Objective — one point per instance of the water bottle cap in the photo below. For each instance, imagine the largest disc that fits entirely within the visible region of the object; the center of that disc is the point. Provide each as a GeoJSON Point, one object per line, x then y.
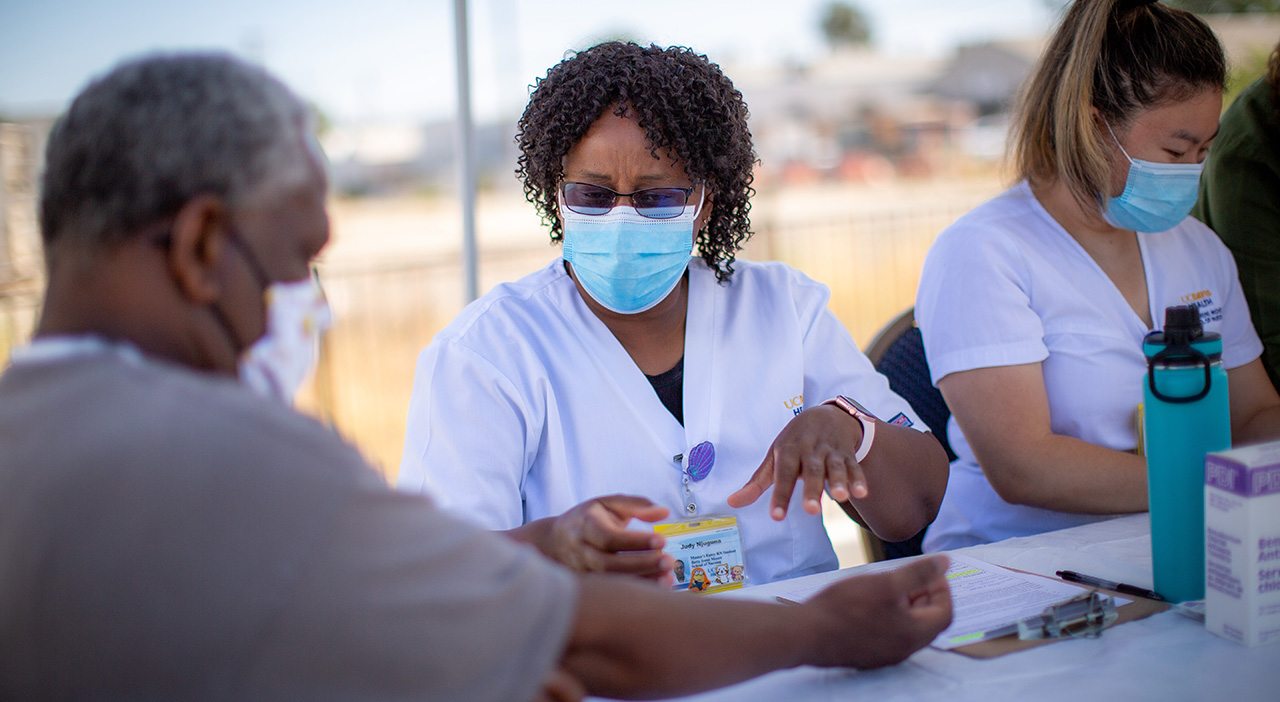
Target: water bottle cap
{"type": "Point", "coordinates": [1182, 332]}
{"type": "Point", "coordinates": [1182, 324]}
{"type": "Point", "coordinates": [1182, 345]}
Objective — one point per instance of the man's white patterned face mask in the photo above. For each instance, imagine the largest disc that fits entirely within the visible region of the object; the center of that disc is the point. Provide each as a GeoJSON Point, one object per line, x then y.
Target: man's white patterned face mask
{"type": "Point", "coordinates": [282, 358]}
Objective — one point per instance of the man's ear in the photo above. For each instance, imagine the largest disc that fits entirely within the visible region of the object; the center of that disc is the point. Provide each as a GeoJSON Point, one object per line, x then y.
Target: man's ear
{"type": "Point", "coordinates": [197, 247]}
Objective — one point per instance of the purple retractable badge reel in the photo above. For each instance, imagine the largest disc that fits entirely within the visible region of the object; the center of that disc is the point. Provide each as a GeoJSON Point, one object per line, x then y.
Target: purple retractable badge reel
{"type": "Point", "coordinates": [701, 459]}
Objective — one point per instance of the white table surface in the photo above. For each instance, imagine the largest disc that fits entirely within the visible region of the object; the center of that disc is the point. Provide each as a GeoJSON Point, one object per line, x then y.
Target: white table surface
{"type": "Point", "coordinates": [1164, 657]}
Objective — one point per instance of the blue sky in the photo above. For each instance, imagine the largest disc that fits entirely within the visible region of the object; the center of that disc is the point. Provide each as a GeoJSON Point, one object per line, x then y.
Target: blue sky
{"type": "Point", "coordinates": [394, 59]}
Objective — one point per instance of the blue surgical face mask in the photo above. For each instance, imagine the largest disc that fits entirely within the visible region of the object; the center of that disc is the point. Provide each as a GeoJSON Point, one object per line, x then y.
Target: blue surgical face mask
{"type": "Point", "coordinates": [1156, 195]}
{"type": "Point", "coordinates": [627, 262]}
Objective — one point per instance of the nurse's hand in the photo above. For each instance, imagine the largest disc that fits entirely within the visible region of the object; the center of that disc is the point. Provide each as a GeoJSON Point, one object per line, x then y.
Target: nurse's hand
{"type": "Point", "coordinates": [818, 446]}
{"type": "Point", "coordinates": [593, 537]}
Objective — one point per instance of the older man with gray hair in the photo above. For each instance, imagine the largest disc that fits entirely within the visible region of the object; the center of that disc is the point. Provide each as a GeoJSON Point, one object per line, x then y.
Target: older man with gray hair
{"type": "Point", "coordinates": [167, 532]}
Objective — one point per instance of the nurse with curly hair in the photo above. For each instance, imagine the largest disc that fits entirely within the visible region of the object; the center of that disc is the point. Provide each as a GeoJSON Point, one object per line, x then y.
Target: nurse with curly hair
{"type": "Point", "coordinates": [648, 361]}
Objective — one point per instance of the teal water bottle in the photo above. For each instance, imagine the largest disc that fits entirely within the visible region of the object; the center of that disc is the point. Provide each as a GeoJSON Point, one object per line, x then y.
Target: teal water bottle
{"type": "Point", "coordinates": [1186, 415]}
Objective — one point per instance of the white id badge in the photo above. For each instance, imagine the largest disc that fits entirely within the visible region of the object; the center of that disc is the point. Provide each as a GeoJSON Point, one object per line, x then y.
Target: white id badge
{"type": "Point", "coordinates": [708, 553]}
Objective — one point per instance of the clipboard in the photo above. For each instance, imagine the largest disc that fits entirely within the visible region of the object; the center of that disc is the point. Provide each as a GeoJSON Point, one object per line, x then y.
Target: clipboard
{"type": "Point", "coordinates": [1137, 608]}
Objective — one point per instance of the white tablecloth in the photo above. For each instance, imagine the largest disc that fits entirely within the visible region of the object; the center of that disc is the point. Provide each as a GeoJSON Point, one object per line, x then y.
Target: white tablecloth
{"type": "Point", "coordinates": [1164, 657]}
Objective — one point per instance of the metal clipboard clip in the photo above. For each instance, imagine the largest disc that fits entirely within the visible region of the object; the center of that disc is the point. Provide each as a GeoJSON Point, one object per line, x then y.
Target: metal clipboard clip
{"type": "Point", "coordinates": [1083, 616]}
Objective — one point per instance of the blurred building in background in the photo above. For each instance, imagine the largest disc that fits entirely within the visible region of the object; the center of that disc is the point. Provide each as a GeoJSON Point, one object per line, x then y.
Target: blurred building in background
{"type": "Point", "coordinates": [856, 115]}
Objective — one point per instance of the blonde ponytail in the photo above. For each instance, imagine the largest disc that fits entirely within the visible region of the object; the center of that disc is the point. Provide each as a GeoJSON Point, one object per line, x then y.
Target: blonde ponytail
{"type": "Point", "coordinates": [1106, 60]}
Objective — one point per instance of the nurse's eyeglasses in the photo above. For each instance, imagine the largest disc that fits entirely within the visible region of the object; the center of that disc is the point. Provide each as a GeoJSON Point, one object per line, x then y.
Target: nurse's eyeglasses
{"type": "Point", "coordinates": [654, 203]}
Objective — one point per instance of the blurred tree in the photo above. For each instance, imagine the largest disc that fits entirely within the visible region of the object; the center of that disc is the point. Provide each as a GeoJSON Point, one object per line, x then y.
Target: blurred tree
{"type": "Point", "coordinates": [845, 25]}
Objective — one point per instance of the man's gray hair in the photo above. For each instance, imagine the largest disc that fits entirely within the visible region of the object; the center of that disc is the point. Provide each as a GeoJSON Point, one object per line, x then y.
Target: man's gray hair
{"type": "Point", "coordinates": [141, 141]}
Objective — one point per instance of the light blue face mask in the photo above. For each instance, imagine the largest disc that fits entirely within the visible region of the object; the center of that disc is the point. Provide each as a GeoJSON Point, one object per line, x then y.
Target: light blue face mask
{"type": "Point", "coordinates": [1156, 195]}
{"type": "Point", "coordinates": [627, 262]}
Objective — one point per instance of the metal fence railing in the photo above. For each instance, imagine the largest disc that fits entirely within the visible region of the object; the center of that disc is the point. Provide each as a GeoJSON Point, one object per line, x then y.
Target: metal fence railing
{"type": "Point", "coordinates": [385, 314]}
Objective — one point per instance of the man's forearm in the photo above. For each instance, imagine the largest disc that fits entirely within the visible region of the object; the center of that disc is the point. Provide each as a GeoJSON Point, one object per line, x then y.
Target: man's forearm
{"type": "Point", "coordinates": [633, 639]}
{"type": "Point", "coordinates": [630, 639]}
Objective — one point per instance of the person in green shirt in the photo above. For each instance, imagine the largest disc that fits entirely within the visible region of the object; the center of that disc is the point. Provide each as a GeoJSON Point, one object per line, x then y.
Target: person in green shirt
{"type": "Point", "coordinates": [1240, 200]}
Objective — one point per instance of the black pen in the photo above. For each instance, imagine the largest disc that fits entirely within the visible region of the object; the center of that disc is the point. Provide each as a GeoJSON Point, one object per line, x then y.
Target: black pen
{"type": "Point", "coordinates": [1122, 588]}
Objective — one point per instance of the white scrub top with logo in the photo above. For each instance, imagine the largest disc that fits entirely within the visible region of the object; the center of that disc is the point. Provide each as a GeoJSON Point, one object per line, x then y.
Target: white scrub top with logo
{"type": "Point", "coordinates": [526, 405]}
{"type": "Point", "coordinates": [1007, 285]}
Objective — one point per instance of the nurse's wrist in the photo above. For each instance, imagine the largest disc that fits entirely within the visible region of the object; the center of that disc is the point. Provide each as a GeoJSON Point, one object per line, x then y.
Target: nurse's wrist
{"type": "Point", "coordinates": [866, 422]}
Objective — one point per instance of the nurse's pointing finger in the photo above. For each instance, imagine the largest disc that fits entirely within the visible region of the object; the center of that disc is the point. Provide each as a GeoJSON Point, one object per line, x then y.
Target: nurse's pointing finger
{"type": "Point", "coordinates": [857, 480]}
{"type": "Point", "coordinates": [785, 474]}
{"type": "Point", "coordinates": [814, 472]}
{"type": "Point", "coordinates": [837, 478]}
{"type": "Point", "coordinates": [760, 481]}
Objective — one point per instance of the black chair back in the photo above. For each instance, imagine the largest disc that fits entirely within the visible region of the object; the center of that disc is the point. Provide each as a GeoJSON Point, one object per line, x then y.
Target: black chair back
{"type": "Point", "coordinates": [897, 352]}
{"type": "Point", "coordinates": [904, 364]}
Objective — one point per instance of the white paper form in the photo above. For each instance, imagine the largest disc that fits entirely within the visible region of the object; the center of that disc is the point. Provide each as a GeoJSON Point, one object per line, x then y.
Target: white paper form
{"type": "Point", "coordinates": [985, 599]}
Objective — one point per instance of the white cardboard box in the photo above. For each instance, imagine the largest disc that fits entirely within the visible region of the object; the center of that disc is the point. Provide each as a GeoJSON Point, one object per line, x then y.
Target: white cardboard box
{"type": "Point", "coordinates": [1242, 543]}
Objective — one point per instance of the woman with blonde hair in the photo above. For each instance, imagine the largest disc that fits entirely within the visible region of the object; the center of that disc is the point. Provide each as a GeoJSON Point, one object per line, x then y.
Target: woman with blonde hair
{"type": "Point", "coordinates": [1033, 306]}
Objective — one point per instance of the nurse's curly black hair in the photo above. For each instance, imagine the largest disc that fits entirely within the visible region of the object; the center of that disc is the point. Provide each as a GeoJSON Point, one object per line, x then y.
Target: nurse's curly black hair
{"type": "Point", "coordinates": [682, 101]}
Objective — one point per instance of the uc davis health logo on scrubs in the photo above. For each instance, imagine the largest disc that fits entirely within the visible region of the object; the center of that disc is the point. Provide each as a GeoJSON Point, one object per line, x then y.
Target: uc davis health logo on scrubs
{"type": "Point", "coordinates": [795, 404]}
{"type": "Point", "coordinates": [1203, 301]}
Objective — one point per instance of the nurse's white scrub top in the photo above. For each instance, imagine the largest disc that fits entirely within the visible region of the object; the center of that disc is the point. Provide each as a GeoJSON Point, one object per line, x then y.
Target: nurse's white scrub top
{"type": "Point", "coordinates": [526, 405]}
{"type": "Point", "coordinates": [1007, 285]}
